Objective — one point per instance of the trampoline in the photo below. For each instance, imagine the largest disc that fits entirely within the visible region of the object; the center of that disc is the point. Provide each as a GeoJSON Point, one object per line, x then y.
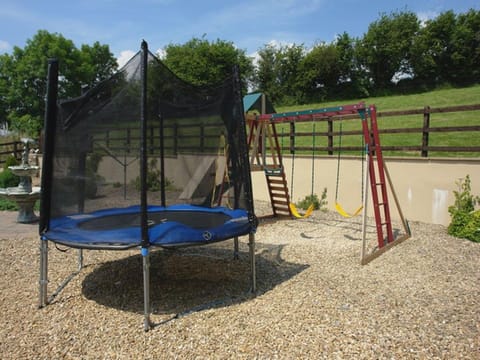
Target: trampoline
{"type": "Point", "coordinates": [172, 226]}
{"type": "Point", "coordinates": [177, 150]}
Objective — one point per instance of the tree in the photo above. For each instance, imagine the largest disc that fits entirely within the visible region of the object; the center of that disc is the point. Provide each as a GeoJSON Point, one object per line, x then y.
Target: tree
{"type": "Point", "coordinates": [321, 72]}
{"type": "Point", "coordinates": [466, 49]}
{"type": "Point", "coordinates": [6, 73]}
{"type": "Point", "coordinates": [26, 73]}
{"type": "Point", "coordinates": [201, 62]}
{"type": "Point", "coordinates": [353, 81]}
{"type": "Point", "coordinates": [432, 57]}
{"type": "Point", "coordinates": [279, 74]}
{"type": "Point", "coordinates": [266, 79]}
{"type": "Point", "coordinates": [96, 63]}
{"type": "Point", "coordinates": [289, 72]}
{"type": "Point", "coordinates": [385, 49]}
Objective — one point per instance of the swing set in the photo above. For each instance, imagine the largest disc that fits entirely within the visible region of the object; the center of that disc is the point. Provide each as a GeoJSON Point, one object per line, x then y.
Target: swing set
{"type": "Point", "coordinates": [374, 171]}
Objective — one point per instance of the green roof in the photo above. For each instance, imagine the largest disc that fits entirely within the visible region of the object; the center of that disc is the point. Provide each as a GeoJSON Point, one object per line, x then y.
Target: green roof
{"type": "Point", "coordinates": [254, 102]}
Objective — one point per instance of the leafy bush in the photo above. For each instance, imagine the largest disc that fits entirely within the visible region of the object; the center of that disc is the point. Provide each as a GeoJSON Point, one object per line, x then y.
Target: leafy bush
{"type": "Point", "coordinates": [153, 178]}
{"type": "Point", "coordinates": [10, 161]}
{"type": "Point", "coordinates": [313, 199]}
{"type": "Point", "coordinates": [8, 205]}
{"type": "Point", "coordinates": [7, 178]}
{"type": "Point", "coordinates": [465, 221]}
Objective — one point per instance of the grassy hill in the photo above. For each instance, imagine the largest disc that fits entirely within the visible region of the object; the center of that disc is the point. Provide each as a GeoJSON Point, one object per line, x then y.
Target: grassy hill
{"type": "Point", "coordinates": [434, 99]}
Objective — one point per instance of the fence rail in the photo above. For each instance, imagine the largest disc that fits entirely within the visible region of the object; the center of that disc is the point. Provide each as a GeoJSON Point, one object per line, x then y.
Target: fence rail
{"type": "Point", "coordinates": [293, 136]}
{"type": "Point", "coordinates": [14, 148]}
{"type": "Point", "coordinates": [424, 148]}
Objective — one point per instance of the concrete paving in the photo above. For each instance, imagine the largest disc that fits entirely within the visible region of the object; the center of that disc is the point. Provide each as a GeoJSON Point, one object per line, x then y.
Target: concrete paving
{"type": "Point", "coordinates": [10, 228]}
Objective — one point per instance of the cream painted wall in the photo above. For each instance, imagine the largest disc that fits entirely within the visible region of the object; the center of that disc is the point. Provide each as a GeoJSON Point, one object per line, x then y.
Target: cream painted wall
{"type": "Point", "coordinates": [424, 187]}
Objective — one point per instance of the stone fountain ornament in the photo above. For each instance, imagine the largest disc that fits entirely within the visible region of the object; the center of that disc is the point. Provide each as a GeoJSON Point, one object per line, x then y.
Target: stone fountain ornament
{"type": "Point", "coordinates": [24, 194]}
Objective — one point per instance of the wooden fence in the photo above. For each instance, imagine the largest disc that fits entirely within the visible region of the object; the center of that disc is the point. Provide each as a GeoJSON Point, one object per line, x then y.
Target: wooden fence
{"type": "Point", "coordinates": [422, 149]}
{"type": "Point", "coordinates": [293, 137]}
{"type": "Point", "coordinates": [14, 148]}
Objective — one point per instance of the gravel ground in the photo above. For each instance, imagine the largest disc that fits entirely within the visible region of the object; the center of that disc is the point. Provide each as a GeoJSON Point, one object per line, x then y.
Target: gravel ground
{"type": "Point", "coordinates": [419, 300]}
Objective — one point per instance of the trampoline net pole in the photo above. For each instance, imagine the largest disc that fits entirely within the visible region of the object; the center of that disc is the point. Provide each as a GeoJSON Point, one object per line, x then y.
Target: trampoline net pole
{"type": "Point", "coordinates": [251, 243]}
{"type": "Point", "coordinates": [43, 299]}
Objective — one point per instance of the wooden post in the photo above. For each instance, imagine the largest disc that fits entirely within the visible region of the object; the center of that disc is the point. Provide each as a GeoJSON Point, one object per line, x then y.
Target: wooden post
{"type": "Point", "coordinates": [175, 139]}
{"type": "Point", "coordinates": [425, 131]}
{"type": "Point", "coordinates": [128, 140]}
{"type": "Point", "coordinates": [292, 137]}
{"type": "Point", "coordinates": [152, 139]}
{"type": "Point", "coordinates": [107, 138]}
{"type": "Point", "coordinates": [330, 135]}
{"type": "Point", "coordinates": [16, 153]}
{"type": "Point", "coordinates": [202, 138]}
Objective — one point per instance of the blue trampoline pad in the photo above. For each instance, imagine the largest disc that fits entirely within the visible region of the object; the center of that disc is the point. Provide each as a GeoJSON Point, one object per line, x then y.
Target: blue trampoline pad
{"type": "Point", "coordinates": [172, 226]}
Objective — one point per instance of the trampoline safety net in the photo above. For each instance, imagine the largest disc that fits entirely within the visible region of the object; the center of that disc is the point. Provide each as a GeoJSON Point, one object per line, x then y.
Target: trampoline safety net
{"type": "Point", "coordinates": [193, 139]}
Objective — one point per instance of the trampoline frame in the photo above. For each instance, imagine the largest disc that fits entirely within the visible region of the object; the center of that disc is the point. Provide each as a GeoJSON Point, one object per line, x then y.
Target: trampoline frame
{"type": "Point", "coordinates": [144, 245]}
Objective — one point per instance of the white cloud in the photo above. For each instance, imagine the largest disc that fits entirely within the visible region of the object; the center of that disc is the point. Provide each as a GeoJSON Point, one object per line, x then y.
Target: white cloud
{"type": "Point", "coordinates": [276, 44]}
{"type": "Point", "coordinates": [4, 46]}
{"type": "Point", "coordinates": [161, 53]}
{"type": "Point", "coordinates": [124, 56]}
{"type": "Point", "coordinates": [424, 16]}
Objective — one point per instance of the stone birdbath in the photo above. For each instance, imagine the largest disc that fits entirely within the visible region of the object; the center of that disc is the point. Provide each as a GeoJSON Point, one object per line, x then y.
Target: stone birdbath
{"type": "Point", "coordinates": [24, 194]}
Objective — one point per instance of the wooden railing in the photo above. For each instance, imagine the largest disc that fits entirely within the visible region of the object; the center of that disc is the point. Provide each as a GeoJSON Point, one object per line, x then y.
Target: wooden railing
{"type": "Point", "coordinates": [424, 148]}
{"type": "Point", "coordinates": [202, 140]}
{"type": "Point", "coordinates": [14, 148]}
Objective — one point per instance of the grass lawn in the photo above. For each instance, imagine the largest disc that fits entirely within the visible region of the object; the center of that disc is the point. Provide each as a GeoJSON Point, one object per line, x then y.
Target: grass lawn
{"type": "Point", "coordinates": [434, 99]}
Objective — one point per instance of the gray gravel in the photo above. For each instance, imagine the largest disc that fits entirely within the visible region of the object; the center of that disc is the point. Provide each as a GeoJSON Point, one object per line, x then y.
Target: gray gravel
{"type": "Point", "coordinates": [419, 300]}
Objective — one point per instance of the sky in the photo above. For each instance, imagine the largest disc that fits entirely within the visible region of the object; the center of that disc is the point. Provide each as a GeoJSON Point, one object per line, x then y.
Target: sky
{"type": "Point", "coordinates": [248, 24]}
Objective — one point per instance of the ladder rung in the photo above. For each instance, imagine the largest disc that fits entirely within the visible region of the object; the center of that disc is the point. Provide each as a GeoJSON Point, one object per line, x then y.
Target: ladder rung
{"type": "Point", "coordinates": [278, 202]}
{"type": "Point", "coordinates": [275, 181]}
{"type": "Point", "coordinates": [279, 193]}
{"type": "Point", "coordinates": [281, 184]}
{"type": "Point", "coordinates": [279, 196]}
{"type": "Point", "coordinates": [278, 189]}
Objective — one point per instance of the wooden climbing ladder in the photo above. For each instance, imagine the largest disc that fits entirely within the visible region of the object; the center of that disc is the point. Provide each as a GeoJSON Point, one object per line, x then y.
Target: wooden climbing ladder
{"type": "Point", "coordinates": [265, 155]}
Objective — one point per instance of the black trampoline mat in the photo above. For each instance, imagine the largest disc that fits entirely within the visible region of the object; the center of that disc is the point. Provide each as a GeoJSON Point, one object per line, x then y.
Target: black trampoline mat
{"type": "Point", "coordinates": [194, 219]}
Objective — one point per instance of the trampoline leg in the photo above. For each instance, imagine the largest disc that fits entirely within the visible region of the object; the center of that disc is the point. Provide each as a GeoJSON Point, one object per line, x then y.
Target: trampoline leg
{"type": "Point", "coordinates": [43, 297]}
{"type": "Point", "coordinates": [235, 247]}
{"type": "Point", "coordinates": [146, 288]}
{"type": "Point", "coordinates": [80, 259]}
{"type": "Point", "coordinates": [251, 243]}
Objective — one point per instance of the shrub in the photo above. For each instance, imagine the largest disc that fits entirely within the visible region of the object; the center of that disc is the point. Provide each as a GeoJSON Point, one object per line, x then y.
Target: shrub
{"type": "Point", "coordinates": [465, 221]}
{"type": "Point", "coordinates": [10, 161]}
{"type": "Point", "coordinates": [153, 179]}
{"type": "Point", "coordinates": [7, 178]}
{"type": "Point", "coordinates": [318, 204]}
{"type": "Point", "coordinates": [8, 205]}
